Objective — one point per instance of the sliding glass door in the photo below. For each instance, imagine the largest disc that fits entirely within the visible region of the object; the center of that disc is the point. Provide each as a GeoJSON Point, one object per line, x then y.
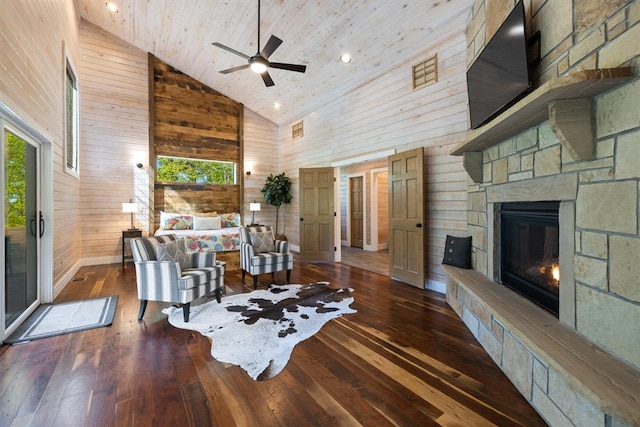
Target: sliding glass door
{"type": "Point", "coordinates": [23, 226]}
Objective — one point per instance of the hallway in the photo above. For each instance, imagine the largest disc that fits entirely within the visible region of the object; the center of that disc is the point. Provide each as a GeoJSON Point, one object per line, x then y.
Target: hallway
{"type": "Point", "coordinates": [377, 262]}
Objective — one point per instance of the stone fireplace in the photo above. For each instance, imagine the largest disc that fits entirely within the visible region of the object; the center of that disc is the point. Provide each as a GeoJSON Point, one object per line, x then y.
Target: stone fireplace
{"type": "Point", "coordinates": [580, 148]}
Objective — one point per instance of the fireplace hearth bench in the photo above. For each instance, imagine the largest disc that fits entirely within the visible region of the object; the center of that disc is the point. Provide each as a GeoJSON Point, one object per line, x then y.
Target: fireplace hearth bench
{"type": "Point", "coordinates": [561, 373]}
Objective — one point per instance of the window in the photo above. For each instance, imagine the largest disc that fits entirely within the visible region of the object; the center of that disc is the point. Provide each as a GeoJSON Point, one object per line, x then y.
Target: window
{"type": "Point", "coordinates": [194, 171]}
{"type": "Point", "coordinates": [72, 139]}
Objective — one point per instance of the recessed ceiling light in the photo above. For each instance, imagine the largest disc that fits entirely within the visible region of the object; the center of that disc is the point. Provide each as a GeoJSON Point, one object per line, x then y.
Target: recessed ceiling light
{"type": "Point", "coordinates": [276, 105]}
{"type": "Point", "coordinates": [112, 7]}
{"type": "Point", "coordinates": [345, 58]}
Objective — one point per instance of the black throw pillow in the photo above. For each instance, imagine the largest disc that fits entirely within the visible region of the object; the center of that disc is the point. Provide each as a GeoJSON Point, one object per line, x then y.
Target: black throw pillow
{"type": "Point", "coordinates": [457, 251]}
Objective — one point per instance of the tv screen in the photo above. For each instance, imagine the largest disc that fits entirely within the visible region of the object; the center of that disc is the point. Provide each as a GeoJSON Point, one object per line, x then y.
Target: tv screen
{"type": "Point", "coordinates": [500, 75]}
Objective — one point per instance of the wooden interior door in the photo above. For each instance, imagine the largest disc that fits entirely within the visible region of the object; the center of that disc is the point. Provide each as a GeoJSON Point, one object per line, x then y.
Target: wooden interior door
{"type": "Point", "coordinates": [356, 203]}
{"type": "Point", "coordinates": [406, 217]}
{"type": "Point", "coordinates": [317, 215]}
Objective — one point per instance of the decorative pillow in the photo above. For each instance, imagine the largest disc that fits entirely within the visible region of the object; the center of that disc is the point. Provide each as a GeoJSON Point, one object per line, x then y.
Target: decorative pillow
{"type": "Point", "coordinates": [206, 214]}
{"type": "Point", "coordinates": [263, 241]}
{"type": "Point", "coordinates": [207, 223]}
{"type": "Point", "coordinates": [173, 221]}
{"type": "Point", "coordinates": [173, 251]}
{"type": "Point", "coordinates": [230, 220]}
{"type": "Point", "coordinates": [457, 251]}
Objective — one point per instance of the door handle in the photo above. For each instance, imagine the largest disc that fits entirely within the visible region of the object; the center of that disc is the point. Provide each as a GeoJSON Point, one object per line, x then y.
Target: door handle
{"type": "Point", "coordinates": [41, 225]}
{"type": "Point", "coordinates": [32, 225]}
{"type": "Point", "coordinates": [419, 225]}
{"type": "Point", "coordinates": [301, 219]}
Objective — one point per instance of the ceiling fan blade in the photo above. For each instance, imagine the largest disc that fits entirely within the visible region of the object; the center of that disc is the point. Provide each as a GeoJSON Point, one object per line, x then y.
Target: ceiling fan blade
{"type": "Point", "coordinates": [238, 68]}
{"type": "Point", "coordinates": [267, 79]}
{"type": "Point", "coordinates": [271, 46]}
{"type": "Point", "coordinates": [288, 67]}
{"type": "Point", "coordinates": [228, 49]}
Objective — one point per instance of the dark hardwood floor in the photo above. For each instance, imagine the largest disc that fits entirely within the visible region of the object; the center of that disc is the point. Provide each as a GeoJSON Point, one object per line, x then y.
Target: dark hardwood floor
{"type": "Point", "coordinates": [404, 359]}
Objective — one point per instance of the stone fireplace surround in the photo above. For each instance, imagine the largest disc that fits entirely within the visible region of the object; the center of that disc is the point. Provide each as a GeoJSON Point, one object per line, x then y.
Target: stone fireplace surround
{"type": "Point", "coordinates": [568, 378]}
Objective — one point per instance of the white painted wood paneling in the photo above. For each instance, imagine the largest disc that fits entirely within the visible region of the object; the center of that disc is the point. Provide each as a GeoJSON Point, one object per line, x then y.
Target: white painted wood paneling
{"type": "Point", "coordinates": [114, 137]}
{"type": "Point", "coordinates": [386, 112]}
{"type": "Point", "coordinates": [33, 39]}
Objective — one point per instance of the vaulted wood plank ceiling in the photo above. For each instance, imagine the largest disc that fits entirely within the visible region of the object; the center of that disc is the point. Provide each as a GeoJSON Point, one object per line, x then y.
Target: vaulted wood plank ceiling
{"type": "Point", "coordinates": [377, 34]}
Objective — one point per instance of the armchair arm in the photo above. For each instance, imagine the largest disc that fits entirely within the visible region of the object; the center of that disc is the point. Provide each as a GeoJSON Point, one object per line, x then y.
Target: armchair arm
{"type": "Point", "coordinates": [282, 246]}
{"type": "Point", "coordinates": [158, 280]}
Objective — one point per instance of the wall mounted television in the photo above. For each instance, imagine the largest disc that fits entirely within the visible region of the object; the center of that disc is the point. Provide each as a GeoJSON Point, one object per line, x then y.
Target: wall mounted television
{"type": "Point", "coordinates": [500, 75]}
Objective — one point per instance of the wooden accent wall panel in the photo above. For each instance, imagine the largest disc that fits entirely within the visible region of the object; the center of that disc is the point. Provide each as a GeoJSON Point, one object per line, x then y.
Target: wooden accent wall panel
{"type": "Point", "coordinates": [189, 119]}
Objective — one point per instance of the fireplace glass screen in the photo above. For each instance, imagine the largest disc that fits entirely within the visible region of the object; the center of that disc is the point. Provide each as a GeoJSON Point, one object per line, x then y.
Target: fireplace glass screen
{"type": "Point", "coordinates": [529, 251]}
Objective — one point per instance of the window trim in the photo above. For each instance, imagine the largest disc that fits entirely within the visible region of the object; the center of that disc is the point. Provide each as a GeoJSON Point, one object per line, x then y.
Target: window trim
{"type": "Point", "coordinates": [74, 168]}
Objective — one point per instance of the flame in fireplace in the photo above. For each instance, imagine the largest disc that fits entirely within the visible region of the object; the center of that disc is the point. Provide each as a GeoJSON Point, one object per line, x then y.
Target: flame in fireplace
{"type": "Point", "coordinates": [555, 272]}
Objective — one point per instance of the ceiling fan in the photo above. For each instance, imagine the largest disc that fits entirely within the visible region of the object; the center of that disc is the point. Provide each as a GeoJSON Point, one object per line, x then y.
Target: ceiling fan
{"type": "Point", "coordinates": [260, 61]}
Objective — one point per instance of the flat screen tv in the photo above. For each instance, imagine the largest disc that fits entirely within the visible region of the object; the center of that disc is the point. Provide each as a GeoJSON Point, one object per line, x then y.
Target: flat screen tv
{"type": "Point", "coordinates": [500, 75]}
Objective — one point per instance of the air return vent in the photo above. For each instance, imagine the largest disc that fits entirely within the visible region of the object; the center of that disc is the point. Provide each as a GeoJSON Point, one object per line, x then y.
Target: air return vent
{"type": "Point", "coordinates": [297, 130]}
{"type": "Point", "coordinates": [425, 72]}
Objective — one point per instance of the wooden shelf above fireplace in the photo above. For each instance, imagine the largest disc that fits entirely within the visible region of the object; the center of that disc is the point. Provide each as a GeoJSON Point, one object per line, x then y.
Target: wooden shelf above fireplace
{"type": "Point", "coordinates": [565, 101]}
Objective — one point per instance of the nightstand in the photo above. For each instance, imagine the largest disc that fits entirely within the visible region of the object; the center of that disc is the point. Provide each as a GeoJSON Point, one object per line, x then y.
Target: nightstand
{"type": "Point", "coordinates": [127, 235]}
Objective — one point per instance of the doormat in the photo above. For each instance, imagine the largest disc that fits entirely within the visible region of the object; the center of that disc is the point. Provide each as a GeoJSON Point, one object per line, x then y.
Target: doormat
{"type": "Point", "coordinates": [258, 330]}
{"type": "Point", "coordinates": [50, 320]}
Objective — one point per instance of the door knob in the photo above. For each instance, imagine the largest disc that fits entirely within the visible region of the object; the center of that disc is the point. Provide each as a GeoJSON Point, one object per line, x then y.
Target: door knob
{"type": "Point", "coordinates": [419, 225]}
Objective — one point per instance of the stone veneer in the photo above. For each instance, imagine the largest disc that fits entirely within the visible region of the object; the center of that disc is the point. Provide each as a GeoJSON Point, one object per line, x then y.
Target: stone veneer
{"type": "Point", "coordinates": [602, 300]}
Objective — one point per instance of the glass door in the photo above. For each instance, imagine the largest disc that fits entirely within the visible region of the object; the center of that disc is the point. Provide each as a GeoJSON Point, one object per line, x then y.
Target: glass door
{"type": "Point", "coordinates": [23, 227]}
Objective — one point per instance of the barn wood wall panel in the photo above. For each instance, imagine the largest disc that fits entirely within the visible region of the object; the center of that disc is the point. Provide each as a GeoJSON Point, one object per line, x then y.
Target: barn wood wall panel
{"type": "Point", "coordinates": [114, 137]}
{"type": "Point", "coordinates": [189, 119]}
{"type": "Point", "coordinates": [31, 85]}
{"type": "Point", "coordinates": [386, 112]}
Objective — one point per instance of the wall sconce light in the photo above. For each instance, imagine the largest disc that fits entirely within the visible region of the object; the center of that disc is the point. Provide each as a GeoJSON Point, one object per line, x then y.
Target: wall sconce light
{"type": "Point", "coordinates": [130, 207]}
{"type": "Point", "coordinates": [253, 207]}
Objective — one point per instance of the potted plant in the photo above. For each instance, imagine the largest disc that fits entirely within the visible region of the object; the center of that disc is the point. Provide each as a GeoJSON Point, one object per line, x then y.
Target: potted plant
{"type": "Point", "coordinates": [276, 191]}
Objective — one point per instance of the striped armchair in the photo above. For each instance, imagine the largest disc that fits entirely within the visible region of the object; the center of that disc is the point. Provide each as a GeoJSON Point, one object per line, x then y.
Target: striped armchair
{"type": "Point", "coordinates": [178, 277]}
{"type": "Point", "coordinates": [261, 253]}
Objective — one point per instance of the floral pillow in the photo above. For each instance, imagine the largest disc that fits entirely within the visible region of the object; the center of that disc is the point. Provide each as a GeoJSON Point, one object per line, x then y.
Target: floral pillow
{"type": "Point", "coordinates": [175, 221]}
{"type": "Point", "coordinates": [230, 220]}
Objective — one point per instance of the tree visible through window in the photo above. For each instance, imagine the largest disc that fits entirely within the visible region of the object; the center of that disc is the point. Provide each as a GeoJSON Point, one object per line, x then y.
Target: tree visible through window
{"type": "Point", "coordinates": [184, 170]}
{"type": "Point", "coordinates": [71, 118]}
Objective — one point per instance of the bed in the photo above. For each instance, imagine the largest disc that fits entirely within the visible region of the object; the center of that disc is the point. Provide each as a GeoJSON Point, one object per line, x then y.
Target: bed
{"type": "Point", "coordinates": [205, 233]}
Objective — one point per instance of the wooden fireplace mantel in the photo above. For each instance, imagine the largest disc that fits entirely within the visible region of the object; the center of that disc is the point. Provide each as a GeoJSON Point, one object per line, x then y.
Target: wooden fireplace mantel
{"type": "Point", "coordinates": [565, 101]}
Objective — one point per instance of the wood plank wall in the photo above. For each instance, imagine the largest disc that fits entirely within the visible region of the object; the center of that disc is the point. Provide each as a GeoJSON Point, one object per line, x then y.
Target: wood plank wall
{"type": "Point", "coordinates": [114, 137]}
{"type": "Point", "coordinates": [386, 112]}
{"type": "Point", "coordinates": [189, 119]}
{"type": "Point", "coordinates": [33, 39]}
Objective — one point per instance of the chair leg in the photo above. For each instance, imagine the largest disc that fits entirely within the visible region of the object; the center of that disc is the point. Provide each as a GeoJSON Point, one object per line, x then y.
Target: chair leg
{"type": "Point", "coordinates": [143, 307]}
{"type": "Point", "coordinates": [243, 273]}
{"type": "Point", "coordinates": [218, 294]}
{"type": "Point", "coordinates": [288, 276]}
{"type": "Point", "coordinates": [273, 277]}
{"type": "Point", "coordinates": [255, 281]}
{"type": "Point", "coordinates": [185, 311]}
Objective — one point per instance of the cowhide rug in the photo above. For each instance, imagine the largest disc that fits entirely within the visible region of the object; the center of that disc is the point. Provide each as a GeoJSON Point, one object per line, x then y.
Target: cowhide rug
{"type": "Point", "coordinates": [258, 330]}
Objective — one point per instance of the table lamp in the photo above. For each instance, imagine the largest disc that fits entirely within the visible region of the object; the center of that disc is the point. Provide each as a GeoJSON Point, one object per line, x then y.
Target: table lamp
{"type": "Point", "coordinates": [130, 207]}
{"type": "Point", "coordinates": [253, 207]}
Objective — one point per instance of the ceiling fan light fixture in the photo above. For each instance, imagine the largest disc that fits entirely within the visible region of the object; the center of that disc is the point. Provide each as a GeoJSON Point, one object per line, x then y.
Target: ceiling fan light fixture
{"type": "Point", "coordinates": [258, 66]}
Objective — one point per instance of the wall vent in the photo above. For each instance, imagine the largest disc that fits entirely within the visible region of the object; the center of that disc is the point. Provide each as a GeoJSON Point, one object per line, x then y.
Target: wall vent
{"type": "Point", "coordinates": [425, 72]}
{"type": "Point", "coordinates": [297, 130]}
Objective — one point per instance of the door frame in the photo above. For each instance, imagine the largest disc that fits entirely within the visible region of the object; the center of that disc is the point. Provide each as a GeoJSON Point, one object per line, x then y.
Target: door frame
{"type": "Point", "coordinates": [14, 123]}
{"type": "Point", "coordinates": [375, 244]}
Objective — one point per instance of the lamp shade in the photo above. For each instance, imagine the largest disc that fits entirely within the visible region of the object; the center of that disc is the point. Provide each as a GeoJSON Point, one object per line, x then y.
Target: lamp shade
{"type": "Point", "coordinates": [254, 206]}
{"type": "Point", "coordinates": [130, 207]}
